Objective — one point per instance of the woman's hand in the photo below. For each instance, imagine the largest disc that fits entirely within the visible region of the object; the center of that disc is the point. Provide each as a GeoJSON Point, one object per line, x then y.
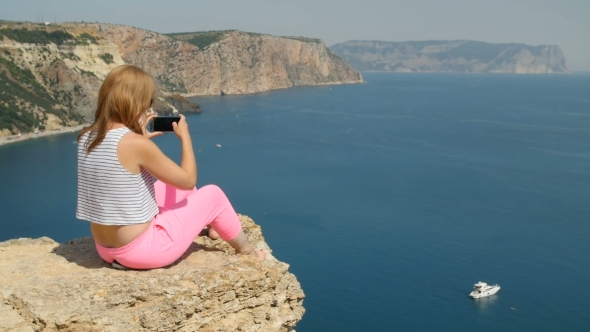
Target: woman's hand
{"type": "Point", "coordinates": [181, 128]}
{"type": "Point", "coordinates": [151, 158]}
{"type": "Point", "coordinates": [144, 122]}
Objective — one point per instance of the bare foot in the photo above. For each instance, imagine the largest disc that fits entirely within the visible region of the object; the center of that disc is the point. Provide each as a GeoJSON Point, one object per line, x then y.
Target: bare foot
{"type": "Point", "coordinates": [259, 254]}
{"type": "Point", "coordinates": [242, 246]}
{"type": "Point", "coordinates": [213, 235]}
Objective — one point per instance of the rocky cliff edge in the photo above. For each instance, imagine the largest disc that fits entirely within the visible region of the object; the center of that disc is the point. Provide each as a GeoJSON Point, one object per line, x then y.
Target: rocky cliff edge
{"type": "Point", "coordinates": [47, 286]}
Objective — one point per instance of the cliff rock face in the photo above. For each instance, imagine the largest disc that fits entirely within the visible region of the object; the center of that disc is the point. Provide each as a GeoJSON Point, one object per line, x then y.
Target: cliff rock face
{"type": "Point", "coordinates": [237, 63]}
{"type": "Point", "coordinates": [46, 286]}
{"type": "Point", "coordinates": [452, 56]}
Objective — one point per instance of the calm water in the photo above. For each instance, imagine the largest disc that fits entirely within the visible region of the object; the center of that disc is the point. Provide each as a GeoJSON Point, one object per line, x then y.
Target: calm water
{"type": "Point", "coordinates": [389, 199]}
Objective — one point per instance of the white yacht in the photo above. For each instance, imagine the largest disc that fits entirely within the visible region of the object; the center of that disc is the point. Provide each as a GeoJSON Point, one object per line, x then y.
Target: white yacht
{"type": "Point", "coordinates": [481, 289]}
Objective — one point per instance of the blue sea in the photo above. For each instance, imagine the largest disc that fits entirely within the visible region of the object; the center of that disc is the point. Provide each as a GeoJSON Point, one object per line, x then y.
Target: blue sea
{"type": "Point", "coordinates": [389, 199]}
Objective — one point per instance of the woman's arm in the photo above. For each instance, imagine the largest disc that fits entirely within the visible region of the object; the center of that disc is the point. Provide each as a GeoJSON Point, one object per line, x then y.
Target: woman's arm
{"type": "Point", "coordinates": [187, 160]}
{"type": "Point", "coordinates": [150, 157]}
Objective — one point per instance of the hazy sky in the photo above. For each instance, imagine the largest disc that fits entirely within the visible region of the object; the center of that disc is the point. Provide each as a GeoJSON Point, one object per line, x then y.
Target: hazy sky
{"type": "Point", "coordinates": [562, 22]}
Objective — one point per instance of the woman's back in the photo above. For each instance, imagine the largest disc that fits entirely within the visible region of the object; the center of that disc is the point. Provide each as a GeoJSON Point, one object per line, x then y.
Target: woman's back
{"type": "Point", "coordinates": [108, 194]}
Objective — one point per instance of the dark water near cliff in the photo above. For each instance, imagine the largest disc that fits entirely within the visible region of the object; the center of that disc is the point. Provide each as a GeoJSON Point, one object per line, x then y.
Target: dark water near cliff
{"type": "Point", "coordinates": [389, 199]}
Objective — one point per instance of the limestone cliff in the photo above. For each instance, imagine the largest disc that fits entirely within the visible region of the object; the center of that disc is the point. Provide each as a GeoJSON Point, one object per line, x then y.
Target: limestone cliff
{"type": "Point", "coordinates": [236, 63]}
{"type": "Point", "coordinates": [46, 286]}
{"type": "Point", "coordinates": [459, 56]}
{"type": "Point", "coordinates": [52, 73]}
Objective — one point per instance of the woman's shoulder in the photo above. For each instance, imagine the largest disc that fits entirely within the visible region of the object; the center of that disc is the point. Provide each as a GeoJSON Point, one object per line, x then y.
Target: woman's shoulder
{"type": "Point", "coordinates": [134, 141]}
{"type": "Point", "coordinates": [132, 136]}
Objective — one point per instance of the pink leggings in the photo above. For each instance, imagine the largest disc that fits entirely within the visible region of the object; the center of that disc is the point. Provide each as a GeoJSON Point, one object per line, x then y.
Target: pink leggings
{"type": "Point", "coordinates": [183, 214]}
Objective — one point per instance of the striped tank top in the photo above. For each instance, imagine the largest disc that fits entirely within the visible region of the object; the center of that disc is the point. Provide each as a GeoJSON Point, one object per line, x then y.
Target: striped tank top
{"type": "Point", "coordinates": [108, 194]}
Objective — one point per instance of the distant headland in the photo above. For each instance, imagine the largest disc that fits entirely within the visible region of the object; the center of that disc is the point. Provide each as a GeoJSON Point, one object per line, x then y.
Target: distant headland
{"type": "Point", "coordinates": [454, 56]}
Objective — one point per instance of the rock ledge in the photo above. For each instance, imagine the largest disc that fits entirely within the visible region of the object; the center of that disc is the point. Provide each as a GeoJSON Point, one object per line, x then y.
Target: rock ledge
{"type": "Point", "coordinates": [47, 286]}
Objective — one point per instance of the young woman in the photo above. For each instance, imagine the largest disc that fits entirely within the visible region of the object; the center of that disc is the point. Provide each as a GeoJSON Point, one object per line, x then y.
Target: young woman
{"type": "Point", "coordinates": [134, 221]}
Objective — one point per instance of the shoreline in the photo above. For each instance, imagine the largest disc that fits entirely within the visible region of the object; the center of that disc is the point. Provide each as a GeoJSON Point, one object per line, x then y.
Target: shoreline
{"type": "Point", "coordinates": [4, 140]}
{"type": "Point", "coordinates": [189, 95]}
{"type": "Point", "coordinates": [28, 136]}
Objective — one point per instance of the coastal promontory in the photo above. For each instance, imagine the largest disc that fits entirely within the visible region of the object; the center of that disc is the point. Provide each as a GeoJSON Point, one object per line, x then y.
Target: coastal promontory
{"type": "Point", "coordinates": [454, 56]}
{"type": "Point", "coordinates": [50, 74]}
{"type": "Point", "coordinates": [50, 286]}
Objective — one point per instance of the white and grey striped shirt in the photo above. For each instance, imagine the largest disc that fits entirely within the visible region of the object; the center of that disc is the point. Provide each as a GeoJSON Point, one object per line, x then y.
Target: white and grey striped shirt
{"type": "Point", "coordinates": [108, 194]}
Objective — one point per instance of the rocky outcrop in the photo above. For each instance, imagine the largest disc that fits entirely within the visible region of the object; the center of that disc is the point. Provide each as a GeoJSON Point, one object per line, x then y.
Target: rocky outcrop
{"type": "Point", "coordinates": [47, 286]}
{"type": "Point", "coordinates": [459, 56]}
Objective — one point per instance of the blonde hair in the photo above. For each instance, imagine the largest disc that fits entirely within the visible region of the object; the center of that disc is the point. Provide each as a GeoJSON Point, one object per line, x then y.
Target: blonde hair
{"type": "Point", "coordinates": [126, 94]}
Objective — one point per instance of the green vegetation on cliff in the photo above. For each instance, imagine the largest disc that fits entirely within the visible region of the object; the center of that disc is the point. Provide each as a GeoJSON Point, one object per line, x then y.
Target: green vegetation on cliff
{"type": "Point", "coordinates": [44, 37]}
{"type": "Point", "coordinates": [304, 39]}
{"type": "Point", "coordinates": [11, 115]}
{"type": "Point", "coordinates": [200, 39]}
{"type": "Point", "coordinates": [36, 36]}
{"type": "Point", "coordinates": [106, 57]}
{"type": "Point", "coordinates": [86, 39]}
{"type": "Point", "coordinates": [21, 94]}
{"type": "Point", "coordinates": [26, 79]}
{"type": "Point", "coordinates": [12, 104]}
